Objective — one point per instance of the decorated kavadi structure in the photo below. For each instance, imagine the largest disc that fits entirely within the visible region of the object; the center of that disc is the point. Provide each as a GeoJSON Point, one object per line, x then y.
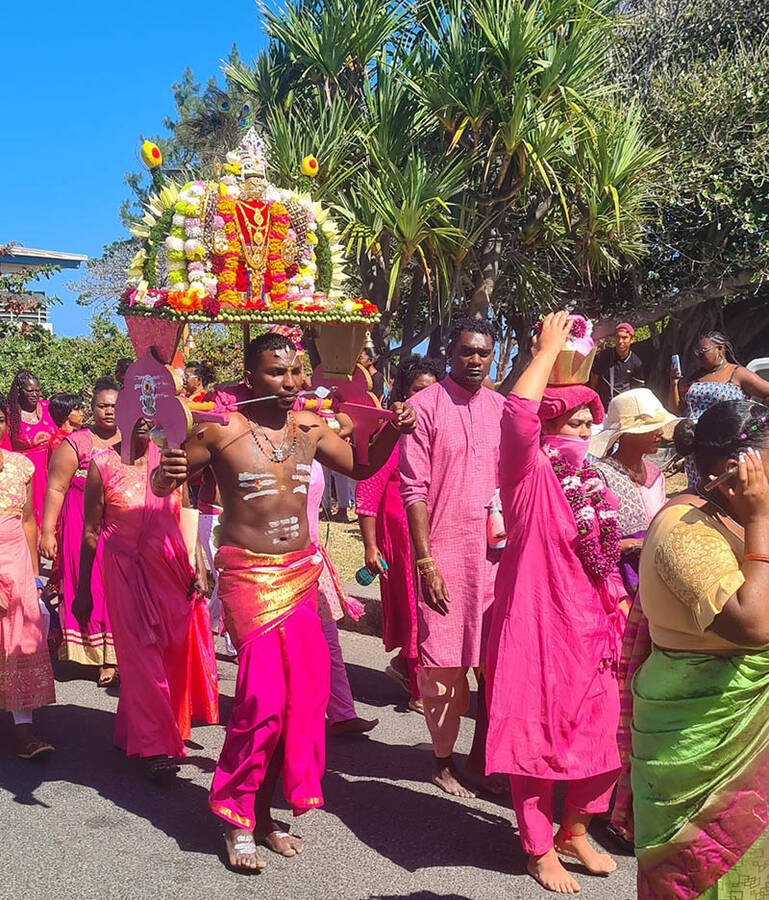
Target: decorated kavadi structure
{"type": "Point", "coordinates": [239, 249]}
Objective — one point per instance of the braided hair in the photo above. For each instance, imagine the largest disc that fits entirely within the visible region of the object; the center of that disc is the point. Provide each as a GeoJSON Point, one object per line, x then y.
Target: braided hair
{"type": "Point", "coordinates": [410, 368]}
{"type": "Point", "coordinates": [726, 428]}
{"type": "Point", "coordinates": [22, 377]}
{"type": "Point", "coordinates": [720, 340]}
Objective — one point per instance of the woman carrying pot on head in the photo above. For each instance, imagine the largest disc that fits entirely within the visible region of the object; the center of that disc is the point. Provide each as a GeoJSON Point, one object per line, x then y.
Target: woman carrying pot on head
{"type": "Point", "coordinates": [554, 643]}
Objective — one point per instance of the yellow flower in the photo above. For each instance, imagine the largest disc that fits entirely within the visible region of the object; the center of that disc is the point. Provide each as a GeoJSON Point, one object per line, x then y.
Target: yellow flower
{"type": "Point", "coordinates": [151, 155]}
{"type": "Point", "coordinates": [310, 166]}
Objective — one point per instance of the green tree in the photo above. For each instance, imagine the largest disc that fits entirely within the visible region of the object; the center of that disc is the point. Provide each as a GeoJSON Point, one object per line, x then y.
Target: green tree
{"type": "Point", "coordinates": [484, 159]}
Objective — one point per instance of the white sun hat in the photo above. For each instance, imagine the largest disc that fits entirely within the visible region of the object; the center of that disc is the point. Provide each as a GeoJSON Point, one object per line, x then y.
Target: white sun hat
{"type": "Point", "coordinates": [632, 412]}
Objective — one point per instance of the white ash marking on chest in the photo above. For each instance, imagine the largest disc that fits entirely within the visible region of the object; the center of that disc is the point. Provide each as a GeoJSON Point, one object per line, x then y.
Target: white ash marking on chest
{"type": "Point", "coordinates": [264, 484]}
{"type": "Point", "coordinates": [283, 529]}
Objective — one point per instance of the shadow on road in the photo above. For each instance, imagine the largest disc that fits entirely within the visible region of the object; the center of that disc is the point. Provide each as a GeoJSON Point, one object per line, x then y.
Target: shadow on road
{"type": "Point", "coordinates": [85, 756]}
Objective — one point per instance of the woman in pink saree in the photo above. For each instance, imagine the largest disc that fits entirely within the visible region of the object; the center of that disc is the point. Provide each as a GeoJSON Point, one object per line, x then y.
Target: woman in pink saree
{"type": "Point", "coordinates": [385, 532]}
{"type": "Point", "coordinates": [26, 679]}
{"type": "Point", "coordinates": [31, 427]}
{"type": "Point", "coordinates": [554, 641]}
{"type": "Point", "coordinates": [160, 620]}
{"type": "Point", "coordinates": [62, 532]}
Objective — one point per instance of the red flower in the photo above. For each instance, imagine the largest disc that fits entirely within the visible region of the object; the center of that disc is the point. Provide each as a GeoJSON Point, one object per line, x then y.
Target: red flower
{"type": "Point", "coordinates": [241, 279]}
{"type": "Point", "coordinates": [217, 264]}
{"type": "Point", "coordinates": [211, 306]}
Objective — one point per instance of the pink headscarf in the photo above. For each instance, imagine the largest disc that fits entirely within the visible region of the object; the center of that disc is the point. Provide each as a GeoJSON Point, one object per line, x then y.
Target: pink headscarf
{"type": "Point", "coordinates": [559, 399]}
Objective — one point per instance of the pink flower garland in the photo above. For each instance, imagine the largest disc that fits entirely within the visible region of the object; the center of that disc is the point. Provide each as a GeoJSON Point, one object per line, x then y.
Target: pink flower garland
{"type": "Point", "coordinates": [598, 548]}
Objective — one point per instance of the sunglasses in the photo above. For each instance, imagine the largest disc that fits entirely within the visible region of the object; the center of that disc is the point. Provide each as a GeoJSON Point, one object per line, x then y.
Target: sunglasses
{"type": "Point", "coordinates": [701, 351]}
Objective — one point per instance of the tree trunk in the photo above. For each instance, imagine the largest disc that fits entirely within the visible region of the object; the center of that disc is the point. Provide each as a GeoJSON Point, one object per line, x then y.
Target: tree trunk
{"type": "Point", "coordinates": [486, 277]}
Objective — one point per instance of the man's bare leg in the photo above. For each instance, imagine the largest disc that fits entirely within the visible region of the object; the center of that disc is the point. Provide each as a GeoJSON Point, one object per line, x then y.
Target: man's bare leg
{"type": "Point", "coordinates": [267, 830]}
{"type": "Point", "coordinates": [446, 776]}
{"type": "Point", "coordinates": [475, 763]}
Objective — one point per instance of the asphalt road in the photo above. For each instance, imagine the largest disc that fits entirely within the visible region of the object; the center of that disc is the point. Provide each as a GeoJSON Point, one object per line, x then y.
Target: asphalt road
{"type": "Point", "coordinates": [85, 824]}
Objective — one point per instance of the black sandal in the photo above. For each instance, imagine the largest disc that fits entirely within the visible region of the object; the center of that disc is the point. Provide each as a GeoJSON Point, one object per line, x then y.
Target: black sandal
{"type": "Point", "coordinates": [160, 767]}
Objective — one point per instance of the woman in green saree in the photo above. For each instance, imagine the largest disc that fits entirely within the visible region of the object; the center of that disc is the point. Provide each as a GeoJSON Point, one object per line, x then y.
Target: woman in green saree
{"type": "Point", "coordinates": [700, 726]}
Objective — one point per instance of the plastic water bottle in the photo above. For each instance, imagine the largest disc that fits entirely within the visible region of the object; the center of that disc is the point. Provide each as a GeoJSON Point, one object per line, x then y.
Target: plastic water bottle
{"type": "Point", "coordinates": [364, 577]}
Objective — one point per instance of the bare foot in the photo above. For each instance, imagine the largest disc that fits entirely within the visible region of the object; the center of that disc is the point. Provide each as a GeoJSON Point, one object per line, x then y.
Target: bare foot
{"type": "Point", "coordinates": [446, 777]}
{"type": "Point", "coordinates": [280, 842]}
{"type": "Point", "coordinates": [549, 872]}
{"type": "Point", "coordinates": [107, 676]}
{"type": "Point", "coordinates": [416, 704]}
{"type": "Point", "coordinates": [576, 846]}
{"type": "Point", "coordinates": [241, 850]}
{"type": "Point", "coordinates": [353, 726]}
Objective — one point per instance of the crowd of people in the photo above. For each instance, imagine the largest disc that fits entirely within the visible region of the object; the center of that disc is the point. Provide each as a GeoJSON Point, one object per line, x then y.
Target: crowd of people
{"type": "Point", "coordinates": [619, 638]}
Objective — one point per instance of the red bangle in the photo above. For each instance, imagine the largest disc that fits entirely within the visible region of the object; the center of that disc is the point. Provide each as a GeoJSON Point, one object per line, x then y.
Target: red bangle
{"type": "Point", "coordinates": [757, 557]}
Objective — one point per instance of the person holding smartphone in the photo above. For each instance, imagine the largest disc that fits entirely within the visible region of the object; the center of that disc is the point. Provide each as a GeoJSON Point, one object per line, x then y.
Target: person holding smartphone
{"type": "Point", "coordinates": [699, 670]}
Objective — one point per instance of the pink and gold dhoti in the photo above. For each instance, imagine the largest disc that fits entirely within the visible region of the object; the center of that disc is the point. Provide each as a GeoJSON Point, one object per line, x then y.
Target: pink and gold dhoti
{"type": "Point", "coordinates": [282, 689]}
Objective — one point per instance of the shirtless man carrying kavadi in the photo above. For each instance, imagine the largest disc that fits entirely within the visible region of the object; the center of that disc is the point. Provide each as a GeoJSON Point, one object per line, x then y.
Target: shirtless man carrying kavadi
{"type": "Point", "coordinates": [268, 578]}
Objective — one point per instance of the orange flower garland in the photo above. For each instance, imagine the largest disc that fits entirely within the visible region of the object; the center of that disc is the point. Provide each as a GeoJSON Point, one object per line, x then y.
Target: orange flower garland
{"type": "Point", "coordinates": [226, 279]}
{"type": "Point", "coordinates": [276, 267]}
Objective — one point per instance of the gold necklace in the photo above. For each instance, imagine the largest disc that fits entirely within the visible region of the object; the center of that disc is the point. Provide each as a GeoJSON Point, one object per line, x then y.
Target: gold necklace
{"type": "Point", "coordinates": [255, 236]}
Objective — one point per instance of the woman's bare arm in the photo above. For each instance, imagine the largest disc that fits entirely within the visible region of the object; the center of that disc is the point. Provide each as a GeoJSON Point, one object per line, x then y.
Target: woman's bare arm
{"type": "Point", "coordinates": [61, 470]}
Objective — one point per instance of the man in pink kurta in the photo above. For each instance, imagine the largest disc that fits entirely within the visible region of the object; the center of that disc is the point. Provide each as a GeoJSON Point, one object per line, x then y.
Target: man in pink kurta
{"type": "Point", "coordinates": [448, 470]}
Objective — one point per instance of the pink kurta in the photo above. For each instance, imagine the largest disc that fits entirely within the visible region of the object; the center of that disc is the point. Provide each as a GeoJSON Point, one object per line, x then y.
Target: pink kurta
{"type": "Point", "coordinates": [162, 637]}
{"type": "Point", "coordinates": [24, 442]}
{"type": "Point", "coordinates": [450, 463]}
{"type": "Point", "coordinates": [94, 645]}
{"type": "Point", "coordinates": [379, 498]}
{"type": "Point", "coordinates": [26, 678]}
{"type": "Point", "coordinates": [554, 642]}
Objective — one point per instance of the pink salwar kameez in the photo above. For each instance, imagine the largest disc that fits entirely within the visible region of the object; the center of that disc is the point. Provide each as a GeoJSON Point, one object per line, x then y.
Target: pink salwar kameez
{"type": "Point", "coordinates": [554, 645]}
{"type": "Point", "coordinates": [24, 442]}
{"type": "Point", "coordinates": [282, 688]}
{"type": "Point", "coordinates": [378, 497]}
{"type": "Point", "coordinates": [161, 627]}
{"type": "Point", "coordinates": [93, 645]}
{"type": "Point", "coordinates": [26, 677]}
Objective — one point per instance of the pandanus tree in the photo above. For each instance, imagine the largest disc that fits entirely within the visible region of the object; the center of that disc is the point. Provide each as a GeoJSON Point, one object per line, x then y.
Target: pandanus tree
{"type": "Point", "coordinates": [475, 152]}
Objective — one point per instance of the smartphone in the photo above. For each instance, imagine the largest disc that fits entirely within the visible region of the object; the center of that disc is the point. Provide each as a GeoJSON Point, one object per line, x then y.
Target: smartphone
{"type": "Point", "coordinates": [676, 361]}
{"type": "Point", "coordinates": [724, 476]}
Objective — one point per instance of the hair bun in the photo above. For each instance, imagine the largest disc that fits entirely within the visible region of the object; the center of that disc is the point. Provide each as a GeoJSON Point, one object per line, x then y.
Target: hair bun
{"type": "Point", "coordinates": [683, 437]}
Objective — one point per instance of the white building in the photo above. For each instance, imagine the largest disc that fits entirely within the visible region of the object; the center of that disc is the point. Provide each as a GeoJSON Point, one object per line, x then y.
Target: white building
{"type": "Point", "coordinates": [15, 259]}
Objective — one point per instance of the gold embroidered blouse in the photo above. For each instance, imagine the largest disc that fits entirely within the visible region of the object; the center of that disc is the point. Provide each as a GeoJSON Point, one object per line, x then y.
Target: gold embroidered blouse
{"type": "Point", "coordinates": [690, 567]}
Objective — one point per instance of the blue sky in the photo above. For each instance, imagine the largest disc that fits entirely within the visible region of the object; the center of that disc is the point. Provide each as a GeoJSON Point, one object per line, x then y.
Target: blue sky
{"type": "Point", "coordinates": [81, 81]}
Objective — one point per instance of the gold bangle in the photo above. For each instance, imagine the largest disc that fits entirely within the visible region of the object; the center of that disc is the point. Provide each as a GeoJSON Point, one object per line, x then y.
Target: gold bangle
{"type": "Point", "coordinates": [426, 559]}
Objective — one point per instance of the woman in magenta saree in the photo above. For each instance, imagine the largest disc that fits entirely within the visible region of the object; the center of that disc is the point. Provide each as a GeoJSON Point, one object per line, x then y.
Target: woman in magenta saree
{"type": "Point", "coordinates": [160, 622]}
{"type": "Point", "coordinates": [31, 427]}
{"type": "Point", "coordinates": [62, 532]}
{"type": "Point", "coordinates": [700, 727]}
